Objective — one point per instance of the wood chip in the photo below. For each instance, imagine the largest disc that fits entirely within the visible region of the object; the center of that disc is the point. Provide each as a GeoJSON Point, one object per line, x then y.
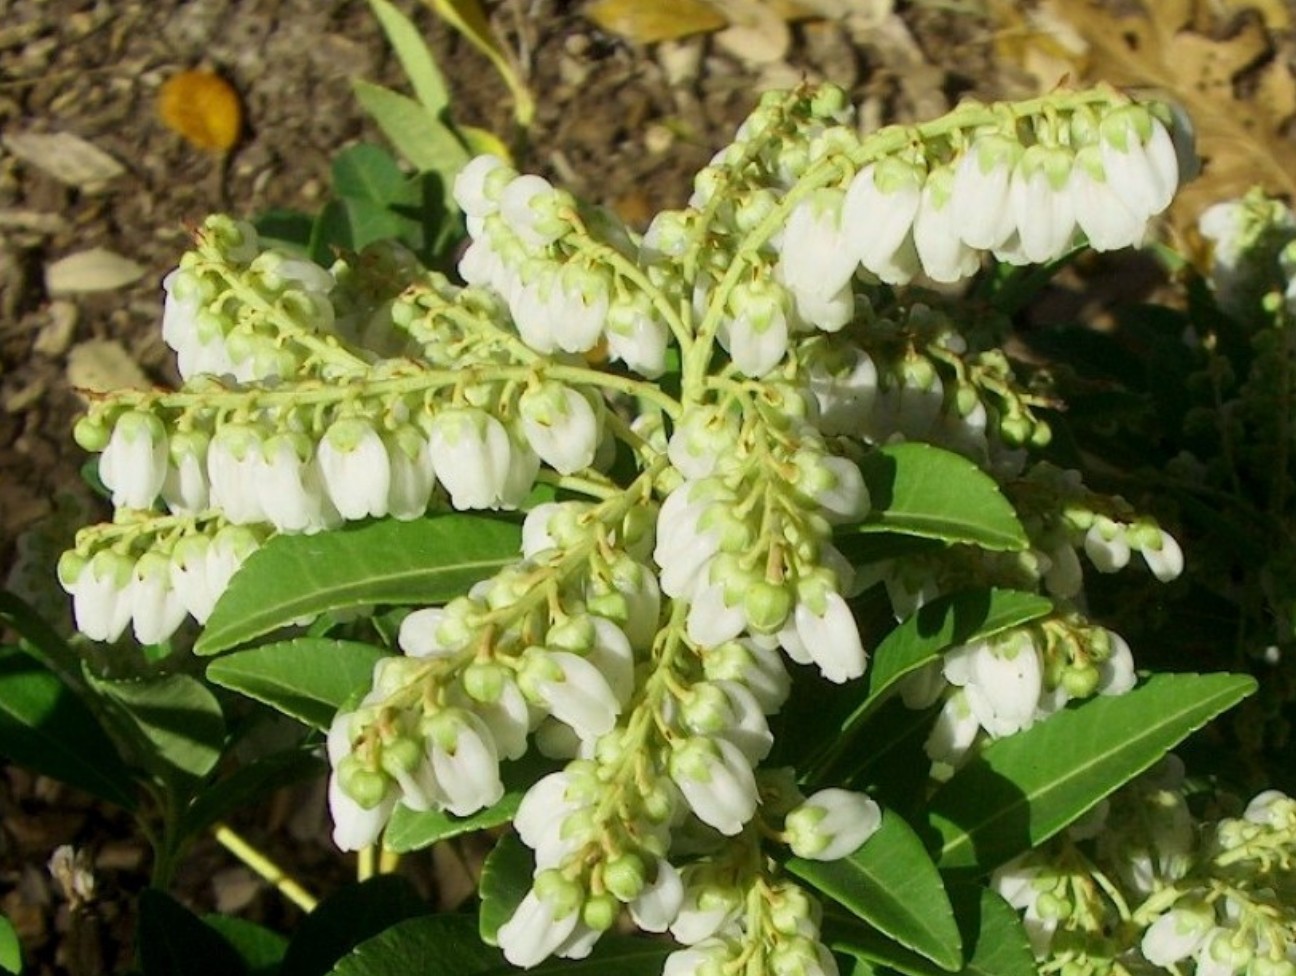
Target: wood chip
{"type": "Point", "coordinates": [66, 157]}
{"type": "Point", "coordinates": [97, 269]}
{"type": "Point", "coordinates": [102, 365]}
{"type": "Point", "coordinates": [56, 335]}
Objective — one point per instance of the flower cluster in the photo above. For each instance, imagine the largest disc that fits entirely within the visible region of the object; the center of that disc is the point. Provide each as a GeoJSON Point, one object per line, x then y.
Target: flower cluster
{"type": "Point", "coordinates": [1210, 898]}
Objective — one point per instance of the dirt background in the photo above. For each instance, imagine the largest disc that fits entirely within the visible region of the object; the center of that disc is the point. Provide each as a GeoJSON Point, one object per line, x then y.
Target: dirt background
{"type": "Point", "coordinates": [618, 123]}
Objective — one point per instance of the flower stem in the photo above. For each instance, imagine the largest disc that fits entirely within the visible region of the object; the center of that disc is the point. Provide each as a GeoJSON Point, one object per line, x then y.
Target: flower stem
{"type": "Point", "coordinates": [287, 886]}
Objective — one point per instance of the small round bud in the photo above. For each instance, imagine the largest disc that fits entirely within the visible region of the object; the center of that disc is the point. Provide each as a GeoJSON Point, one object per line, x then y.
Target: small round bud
{"type": "Point", "coordinates": [766, 606]}
{"type": "Point", "coordinates": [484, 681]}
{"type": "Point", "coordinates": [600, 912]}
{"type": "Point", "coordinates": [625, 876]}
{"type": "Point", "coordinates": [366, 786]}
{"type": "Point", "coordinates": [1080, 682]}
{"type": "Point", "coordinates": [91, 434]}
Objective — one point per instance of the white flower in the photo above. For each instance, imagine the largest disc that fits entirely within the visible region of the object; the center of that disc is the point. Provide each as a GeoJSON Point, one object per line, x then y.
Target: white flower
{"type": "Point", "coordinates": [1099, 211]}
{"type": "Point", "coordinates": [543, 814]}
{"type": "Point", "coordinates": [979, 210]}
{"type": "Point", "coordinates": [526, 204]}
{"type": "Point", "coordinates": [1139, 160]}
{"type": "Point", "coordinates": [814, 255]}
{"type": "Point", "coordinates": [290, 493]}
{"type": "Point", "coordinates": [954, 731]}
{"type": "Point", "coordinates": [757, 665]}
{"type": "Point", "coordinates": [185, 488]}
{"type": "Point", "coordinates": [355, 468]}
{"type": "Point", "coordinates": [703, 959]}
{"type": "Point", "coordinates": [711, 620]}
{"type": "Point", "coordinates": [1271, 807]}
{"type": "Point", "coordinates": [1042, 206]}
{"type": "Point", "coordinates": [827, 636]}
{"type": "Point", "coordinates": [189, 576]}
{"type": "Point", "coordinates": [756, 333]}
{"type": "Point", "coordinates": [1165, 560]}
{"type": "Point", "coordinates": [1176, 935]}
{"type": "Point", "coordinates": [943, 254]}
{"type": "Point", "coordinates": [229, 548]}
{"type": "Point", "coordinates": [573, 690]}
{"type": "Point", "coordinates": [707, 909]}
{"type": "Point", "coordinates": [1106, 545]}
{"type": "Point", "coordinates": [1064, 576]}
{"type": "Point", "coordinates": [478, 184]}
{"type": "Point", "coordinates": [703, 436]}
{"type": "Point", "coordinates": [155, 606]}
{"type": "Point", "coordinates": [831, 824]}
{"type": "Point", "coordinates": [658, 903]}
{"type": "Point", "coordinates": [134, 464]}
{"type": "Point", "coordinates": [878, 214]}
{"type": "Point", "coordinates": [560, 425]}
{"type": "Point", "coordinates": [1116, 674]}
{"type": "Point", "coordinates": [100, 602]}
{"type": "Point", "coordinates": [1003, 681]}
{"type": "Point", "coordinates": [472, 452]}
{"type": "Point", "coordinates": [637, 335]}
{"type": "Point", "coordinates": [464, 762]}
{"type": "Point", "coordinates": [717, 783]}
{"type": "Point", "coordinates": [235, 471]}
{"type": "Point", "coordinates": [845, 395]}
{"type": "Point", "coordinates": [412, 475]}
{"type": "Point", "coordinates": [355, 825]}
{"type": "Point", "coordinates": [582, 312]}
{"type": "Point", "coordinates": [540, 925]}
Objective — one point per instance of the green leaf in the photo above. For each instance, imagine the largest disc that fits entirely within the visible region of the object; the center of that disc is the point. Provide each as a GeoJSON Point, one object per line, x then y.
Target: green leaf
{"type": "Point", "coordinates": [422, 562]}
{"type": "Point", "coordinates": [1023, 789]}
{"type": "Point", "coordinates": [306, 679]}
{"type": "Point", "coordinates": [368, 172]}
{"type": "Point", "coordinates": [410, 830]}
{"type": "Point", "coordinates": [892, 884]}
{"type": "Point", "coordinates": [260, 948]}
{"type": "Point", "coordinates": [284, 229]}
{"type": "Point", "coordinates": [45, 727]}
{"type": "Point", "coordinates": [415, 57]}
{"type": "Point", "coordinates": [41, 641]}
{"type": "Point", "coordinates": [505, 880]}
{"type": "Point", "coordinates": [352, 915]}
{"type": "Point", "coordinates": [330, 233]}
{"type": "Point", "coordinates": [918, 489]}
{"type": "Point", "coordinates": [991, 931]}
{"type": "Point", "coordinates": [448, 945]}
{"type": "Point", "coordinates": [10, 948]}
{"type": "Point", "coordinates": [174, 942]}
{"type": "Point", "coordinates": [175, 724]}
{"type": "Point", "coordinates": [960, 618]}
{"type": "Point", "coordinates": [418, 135]}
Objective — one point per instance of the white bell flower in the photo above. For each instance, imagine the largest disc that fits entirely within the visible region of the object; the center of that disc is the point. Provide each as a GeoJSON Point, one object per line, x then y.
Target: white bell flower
{"type": "Point", "coordinates": [707, 910]}
{"type": "Point", "coordinates": [1003, 680]}
{"type": "Point", "coordinates": [831, 824]}
{"type": "Point", "coordinates": [526, 204]}
{"type": "Point", "coordinates": [717, 783]}
{"type": "Point", "coordinates": [756, 331]}
{"type": "Point", "coordinates": [477, 186]}
{"type": "Point", "coordinates": [878, 213]}
{"type": "Point", "coordinates": [827, 636]}
{"type": "Point", "coordinates": [412, 475]}
{"type": "Point", "coordinates": [584, 296]}
{"type": "Point", "coordinates": [545, 919]}
{"type": "Point", "coordinates": [845, 395]}
{"type": "Point", "coordinates": [1165, 560]}
{"type": "Point", "coordinates": [702, 959]}
{"type": "Point", "coordinates": [1042, 205]}
{"type": "Point", "coordinates": [711, 620]}
{"type": "Point", "coordinates": [573, 690]}
{"type": "Point", "coordinates": [189, 576]}
{"type": "Point", "coordinates": [815, 255]}
{"type": "Point", "coordinates": [100, 602]}
{"type": "Point", "coordinates": [355, 825]}
{"type": "Point", "coordinates": [758, 665]}
{"type": "Point", "coordinates": [560, 425]}
{"type": "Point", "coordinates": [659, 902]}
{"type": "Point", "coordinates": [156, 607]}
{"type": "Point", "coordinates": [936, 234]}
{"type": "Point", "coordinates": [954, 732]}
{"type": "Point", "coordinates": [356, 469]}
{"type": "Point", "coordinates": [979, 210]}
{"type": "Point", "coordinates": [185, 489]}
{"type": "Point", "coordinates": [1116, 674]}
{"type": "Point", "coordinates": [289, 505]}
{"type": "Point", "coordinates": [471, 452]}
{"type": "Point", "coordinates": [235, 470]}
{"type": "Point", "coordinates": [1177, 934]}
{"type": "Point", "coordinates": [1139, 160]}
{"type": "Point", "coordinates": [229, 549]}
{"type": "Point", "coordinates": [464, 761]}
{"type": "Point", "coordinates": [1102, 215]}
{"type": "Point", "coordinates": [637, 335]}
{"type": "Point", "coordinates": [134, 464]}
{"type": "Point", "coordinates": [1106, 545]}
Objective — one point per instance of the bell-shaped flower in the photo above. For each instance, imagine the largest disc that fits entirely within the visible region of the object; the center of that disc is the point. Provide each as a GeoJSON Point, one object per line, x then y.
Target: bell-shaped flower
{"type": "Point", "coordinates": [831, 824]}
{"type": "Point", "coordinates": [1101, 214]}
{"type": "Point", "coordinates": [1042, 205]}
{"type": "Point", "coordinates": [941, 251]}
{"type": "Point", "coordinates": [478, 185]}
{"type": "Point", "coordinates": [229, 549]}
{"type": "Point", "coordinates": [560, 425]}
{"type": "Point", "coordinates": [703, 436]}
{"type": "Point", "coordinates": [845, 393]}
{"type": "Point", "coordinates": [292, 500]}
{"type": "Point", "coordinates": [582, 314]}
{"type": "Point", "coordinates": [835, 483]}
{"type": "Point", "coordinates": [412, 478]}
{"type": "Point", "coordinates": [549, 817]}
{"type": "Point", "coordinates": [717, 782]}
{"type": "Point", "coordinates": [235, 470]}
{"type": "Point", "coordinates": [815, 253]}
{"type": "Point", "coordinates": [1116, 672]}
{"type": "Point", "coordinates": [637, 334]}
{"type": "Point", "coordinates": [360, 800]}
{"type": "Point", "coordinates": [355, 467]}
{"type": "Point", "coordinates": [134, 464]}
{"type": "Point", "coordinates": [572, 689]}
{"type": "Point", "coordinates": [1106, 545]}
{"type": "Point", "coordinates": [185, 489]}
{"type": "Point", "coordinates": [979, 209]}
{"type": "Point", "coordinates": [707, 909]}
{"type": "Point", "coordinates": [471, 451]}
{"type": "Point", "coordinates": [824, 631]}
{"type": "Point", "coordinates": [703, 959]}
{"type": "Point", "coordinates": [954, 731]}
{"type": "Point", "coordinates": [878, 214]}
{"type": "Point", "coordinates": [156, 608]}
{"type": "Point", "coordinates": [658, 903]}
{"type": "Point", "coordinates": [1139, 159]}
{"type": "Point", "coordinates": [1177, 934]}
{"type": "Point", "coordinates": [1163, 556]}
{"type": "Point", "coordinates": [1003, 680]}
{"type": "Point", "coordinates": [99, 587]}
{"type": "Point", "coordinates": [529, 205]}
{"type": "Point", "coordinates": [757, 665]}
{"type": "Point", "coordinates": [799, 955]}
{"type": "Point", "coordinates": [542, 922]}
{"type": "Point", "coordinates": [756, 330]}
{"type": "Point", "coordinates": [188, 573]}
{"type": "Point", "coordinates": [464, 761]}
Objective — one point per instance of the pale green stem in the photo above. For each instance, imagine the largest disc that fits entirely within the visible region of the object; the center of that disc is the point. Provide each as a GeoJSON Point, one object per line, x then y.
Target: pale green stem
{"type": "Point", "coordinates": [263, 866]}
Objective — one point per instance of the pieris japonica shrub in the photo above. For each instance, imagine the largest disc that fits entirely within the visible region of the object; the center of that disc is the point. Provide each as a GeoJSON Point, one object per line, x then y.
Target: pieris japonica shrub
{"type": "Point", "coordinates": [728, 562]}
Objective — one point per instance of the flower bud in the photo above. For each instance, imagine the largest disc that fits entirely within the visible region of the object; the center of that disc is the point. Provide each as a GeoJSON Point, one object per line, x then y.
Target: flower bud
{"type": "Point", "coordinates": [831, 824]}
{"type": "Point", "coordinates": [365, 786]}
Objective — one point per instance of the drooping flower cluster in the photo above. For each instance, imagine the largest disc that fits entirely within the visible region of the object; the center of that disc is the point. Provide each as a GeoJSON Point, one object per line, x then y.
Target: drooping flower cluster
{"type": "Point", "coordinates": [1210, 898]}
{"type": "Point", "coordinates": [684, 540]}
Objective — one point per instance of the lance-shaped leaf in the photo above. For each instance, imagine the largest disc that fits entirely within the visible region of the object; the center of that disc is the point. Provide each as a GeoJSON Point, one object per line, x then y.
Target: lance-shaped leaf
{"type": "Point", "coordinates": [46, 728]}
{"type": "Point", "coordinates": [505, 880]}
{"type": "Point", "coordinates": [423, 562]}
{"type": "Point", "coordinates": [415, 57]}
{"type": "Point", "coordinates": [892, 884]}
{"type": "Point", "coordinates": [1023, 789]}
{"type": "Point", "coordinates": [917, 489]}
{"type": "Point", "coordinates": [307, 679]}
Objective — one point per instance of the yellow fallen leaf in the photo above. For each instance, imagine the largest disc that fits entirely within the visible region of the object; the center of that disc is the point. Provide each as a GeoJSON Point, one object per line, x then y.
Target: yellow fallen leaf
{"type": "Point", "coordinates": [661, 20]}
{"type": "Point", "coordinates": [203, 108]}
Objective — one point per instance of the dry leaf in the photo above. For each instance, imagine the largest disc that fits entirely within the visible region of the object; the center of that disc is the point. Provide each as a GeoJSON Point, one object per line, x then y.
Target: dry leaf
{"type": "Point", "coordinates": [756, 33]}
{"type": "Point", "coordinates": [97, 269]}
{"type": "Point", "coordinates": [203, 107]}
{"type": "Point", "coordinates": [1178, 47]}
{"type": "Point", "coordinates": [103, 365]}
{"type": "Point", "coordinates": [663, 20]}
{"type": "Point", "coordinates": [65, 157]}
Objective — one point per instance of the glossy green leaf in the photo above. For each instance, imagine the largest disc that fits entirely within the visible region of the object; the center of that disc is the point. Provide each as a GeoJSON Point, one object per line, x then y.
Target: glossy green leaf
{"type": "Point", "coordinates": [174, 942]}
{"type": "Point", "coordinates": [260, 948]}
{"type": "Point", "coordinates": [306, 679]}
{"type": "Point", "coordinates": [414, 55]}
{"type": "Point", "coordinates": [10, 949]}
{"type": "Point", "coordinates": [995, 941]}
{"type": "Point", "coordinates": [46, 728]}
{"type": "Point", "coordinates": [174, 723]}
{"type": "Point", "coordinates": [42, 641]}
{"type": "Point", "coordinates": [448, 945]}
{"type": "Point", "coordinates": [1023, 789]}
{"type": "Point", "coordinates": [505, 880]}
{"type": "Point", "coordinates": [346, 919]}
{"type": "Point", "coordinates": [892, 884]}
{"type": "Point", "coordinates": [428, 143]}
{"type": "Point", "coordinates": [247, 785]}
{"type": "Point", "coordinates": [423, 562]}
{"type": "Point", "coordinates": [284, 229]}
{"type": "Point", "coordinates": [917, 489]}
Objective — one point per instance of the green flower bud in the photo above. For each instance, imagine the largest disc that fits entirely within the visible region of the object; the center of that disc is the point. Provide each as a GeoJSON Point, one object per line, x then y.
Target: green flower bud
{"type": "Point", "coordinates": [484, 681]}
{"type": "Point", "coordinates": [1080, 682]}
{"type": "Point", "coordinates": [401, 755]}
{"type": "Point", "coordinates": [575, 634]}
{"type": "Point", "coordinates": [766, 606]}
{"type": "Point", "coordinates": [366, 786]}
{"type": "Point", "coordinates": [70, 566]}
{"type": "Point", "coordinates": [625, 877]}
{"type": "Point", "coordinates": [562, 895]}
{"type": "Point", "coordinates": [600, 912]}
{"type": "Point", "coordinates": [91, 433]}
